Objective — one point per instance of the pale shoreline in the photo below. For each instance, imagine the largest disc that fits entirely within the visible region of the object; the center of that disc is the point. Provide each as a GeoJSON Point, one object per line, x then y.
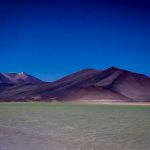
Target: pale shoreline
{"type": "Point", "coordinates": [121, 103]}
{"type": "Point", "coordinates": [96, 102]}
{"type": "Point", "coordinates": [89, 102]}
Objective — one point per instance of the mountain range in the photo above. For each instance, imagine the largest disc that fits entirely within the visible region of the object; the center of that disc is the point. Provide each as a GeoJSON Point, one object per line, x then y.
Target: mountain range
{"type": "Point", "coordinates": [112, 84]}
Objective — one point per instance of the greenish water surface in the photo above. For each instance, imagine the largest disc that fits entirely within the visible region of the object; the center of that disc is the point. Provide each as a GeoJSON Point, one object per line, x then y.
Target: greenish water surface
{"type": "Point", "coordinates": [50, 126]}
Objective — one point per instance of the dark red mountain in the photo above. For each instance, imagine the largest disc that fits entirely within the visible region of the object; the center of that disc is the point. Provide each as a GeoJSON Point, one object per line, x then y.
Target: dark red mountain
{"type": "Point", "coordinates": [17, 78]}
{"type": "Point", "coordinates": [112, 84]}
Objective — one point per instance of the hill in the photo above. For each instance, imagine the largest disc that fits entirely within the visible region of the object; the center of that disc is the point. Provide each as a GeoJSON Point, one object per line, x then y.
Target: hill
{"type": "Point", "coordinates": [112, 84]}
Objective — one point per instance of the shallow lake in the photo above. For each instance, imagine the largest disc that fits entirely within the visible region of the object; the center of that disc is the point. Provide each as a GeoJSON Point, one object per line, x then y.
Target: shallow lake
{"type": "Point", "coordinates": [46, 126]}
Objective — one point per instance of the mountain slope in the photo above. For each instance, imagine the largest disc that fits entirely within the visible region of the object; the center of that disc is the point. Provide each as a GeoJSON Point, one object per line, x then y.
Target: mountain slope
{"type": "Point", "coordinates": [133, 85]}
{"type": "Point", "coordinates": [112, 83]}
{"type": "Point", "coordinates": [14, 78]}
{"type": "Point", "coordinates": [89, 84]}
{"type": "Point", "coordinates": [12, 83]}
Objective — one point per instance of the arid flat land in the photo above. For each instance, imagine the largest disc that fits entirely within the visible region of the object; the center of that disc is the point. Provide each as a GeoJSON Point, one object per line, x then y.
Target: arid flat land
{"type": "Point", "coordinates": [70, 126]}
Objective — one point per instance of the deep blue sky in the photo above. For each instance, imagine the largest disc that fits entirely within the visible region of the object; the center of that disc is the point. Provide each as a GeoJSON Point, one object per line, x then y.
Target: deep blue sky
{"type": "Point", "coordinates": [51, 39]}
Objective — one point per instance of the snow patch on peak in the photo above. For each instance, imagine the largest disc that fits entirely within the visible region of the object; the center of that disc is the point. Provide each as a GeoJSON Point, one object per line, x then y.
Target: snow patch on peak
{"type": "Point", "coordinates": [22, 73]}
